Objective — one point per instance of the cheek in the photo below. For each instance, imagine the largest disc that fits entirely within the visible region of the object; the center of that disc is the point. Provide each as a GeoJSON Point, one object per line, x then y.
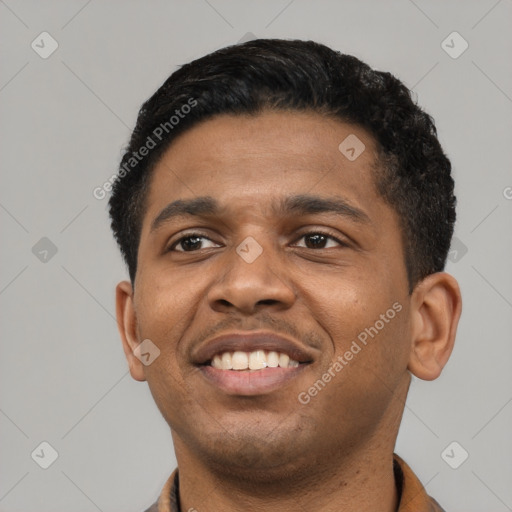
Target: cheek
{"type": "Point", "coordinates": [164, 304]}
{"type": "Point", "coordinates": [163, 317]}
{"type": "Point", "coordinates": [378, 368]}
{"type": "Point", "coordinates": [368, 374]}
{"type": "Point", "coordinates": [367, 324]}
{"type": "Point", "coordinates": [347, 303]}
{"type": "Point", "coordinates": [164, 313]}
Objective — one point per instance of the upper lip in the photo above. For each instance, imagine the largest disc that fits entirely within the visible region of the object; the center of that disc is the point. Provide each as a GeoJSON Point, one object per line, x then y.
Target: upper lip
{"type": "Point", "coordinates": [249, 342]}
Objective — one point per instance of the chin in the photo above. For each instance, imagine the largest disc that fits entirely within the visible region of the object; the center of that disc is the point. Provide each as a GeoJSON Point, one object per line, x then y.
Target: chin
{"type": "Point", "coordinates": [253, 456]}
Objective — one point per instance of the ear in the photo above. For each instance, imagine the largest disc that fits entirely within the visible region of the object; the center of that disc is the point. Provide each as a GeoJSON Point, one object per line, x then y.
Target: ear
{"type": "Point", "coordinates": [436, 307]}
{"type": "Point", "coordinates": [127, 324]}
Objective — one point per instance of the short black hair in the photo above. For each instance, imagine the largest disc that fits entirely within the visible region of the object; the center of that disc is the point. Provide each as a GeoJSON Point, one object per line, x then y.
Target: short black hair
{"type": "Point", "coordinates": [413, 175]}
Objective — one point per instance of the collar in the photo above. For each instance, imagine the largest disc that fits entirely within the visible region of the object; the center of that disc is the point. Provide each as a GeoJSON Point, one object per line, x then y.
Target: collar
{"type": "Point", "coordinates": [413, 497]}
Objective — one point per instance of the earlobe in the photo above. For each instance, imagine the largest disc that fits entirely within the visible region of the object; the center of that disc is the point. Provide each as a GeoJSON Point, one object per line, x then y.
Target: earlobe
{"type": "Point", "coordinates": [127, 325]}
{"type": "Point", "coordinates": [436, 309]}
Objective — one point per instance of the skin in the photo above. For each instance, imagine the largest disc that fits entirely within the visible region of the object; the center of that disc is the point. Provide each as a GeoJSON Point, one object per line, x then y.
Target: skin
{"type": "Point", "coordinates": [271, 452]}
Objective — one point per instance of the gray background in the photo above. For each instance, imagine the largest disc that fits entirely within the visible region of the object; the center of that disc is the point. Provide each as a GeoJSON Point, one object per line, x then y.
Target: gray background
{"type": "Point", "coordinates": [64, 121]}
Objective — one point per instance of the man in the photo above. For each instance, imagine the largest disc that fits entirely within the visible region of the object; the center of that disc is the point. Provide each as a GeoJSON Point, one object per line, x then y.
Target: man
{"type": "Point", "coordinates": [285, 213]}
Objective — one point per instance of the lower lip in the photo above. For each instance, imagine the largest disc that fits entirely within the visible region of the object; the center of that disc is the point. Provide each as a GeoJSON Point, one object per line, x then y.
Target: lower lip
{"type": "Point", "coordinates": [250, 382]}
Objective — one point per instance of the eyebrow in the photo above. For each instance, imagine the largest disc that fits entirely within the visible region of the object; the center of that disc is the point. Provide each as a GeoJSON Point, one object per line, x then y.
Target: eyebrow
{"type": "Point", "coordinates": [303, 204]}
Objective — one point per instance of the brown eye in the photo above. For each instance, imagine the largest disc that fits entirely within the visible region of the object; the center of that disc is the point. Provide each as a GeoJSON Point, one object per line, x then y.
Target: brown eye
{"type": "Point", "coordinates": [190, 243]}
{"type": "Point", "coordinates": [319, 240]}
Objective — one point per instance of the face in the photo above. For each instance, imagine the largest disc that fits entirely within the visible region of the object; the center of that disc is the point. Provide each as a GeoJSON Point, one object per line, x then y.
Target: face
{"type": "Point", "coordinates": [289, 251]}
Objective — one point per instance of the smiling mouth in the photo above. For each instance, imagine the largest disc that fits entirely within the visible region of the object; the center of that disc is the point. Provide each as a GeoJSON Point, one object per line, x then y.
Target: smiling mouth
{"type": "Point", "coordinates": [254, 360]}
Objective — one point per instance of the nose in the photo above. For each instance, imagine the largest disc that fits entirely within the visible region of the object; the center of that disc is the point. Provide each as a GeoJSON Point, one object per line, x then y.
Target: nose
{"type": "Point", "coordinates": [252, 277]}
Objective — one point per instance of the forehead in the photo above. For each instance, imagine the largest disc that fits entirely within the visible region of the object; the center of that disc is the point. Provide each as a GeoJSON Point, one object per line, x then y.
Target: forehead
{"type": "Point", "coordinates": [256, 158]}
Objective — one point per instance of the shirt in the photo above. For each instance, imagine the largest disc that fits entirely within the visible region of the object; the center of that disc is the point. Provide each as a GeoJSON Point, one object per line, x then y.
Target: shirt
{"type": "Point", "coordinates": [412, 495]}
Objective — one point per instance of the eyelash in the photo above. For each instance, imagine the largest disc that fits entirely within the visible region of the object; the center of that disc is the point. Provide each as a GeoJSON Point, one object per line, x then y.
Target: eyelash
{"type": "Point", "coordinates": [201, 235]}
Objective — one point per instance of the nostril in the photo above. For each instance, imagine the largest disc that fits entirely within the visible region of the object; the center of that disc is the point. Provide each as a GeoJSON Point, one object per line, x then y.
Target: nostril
{"type": "Point", "coordinates": [267, 302]}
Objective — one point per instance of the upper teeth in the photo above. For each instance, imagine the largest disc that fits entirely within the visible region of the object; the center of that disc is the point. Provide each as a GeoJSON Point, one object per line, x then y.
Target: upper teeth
{"type": "Point", "coordinates": [255, 360]}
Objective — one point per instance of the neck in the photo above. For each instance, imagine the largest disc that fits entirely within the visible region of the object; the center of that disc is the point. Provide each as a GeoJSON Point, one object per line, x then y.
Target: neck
{"type": "Point", "coordinates": [361, 481]}
{"type": "Point", "coordinates": [352, 477]}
